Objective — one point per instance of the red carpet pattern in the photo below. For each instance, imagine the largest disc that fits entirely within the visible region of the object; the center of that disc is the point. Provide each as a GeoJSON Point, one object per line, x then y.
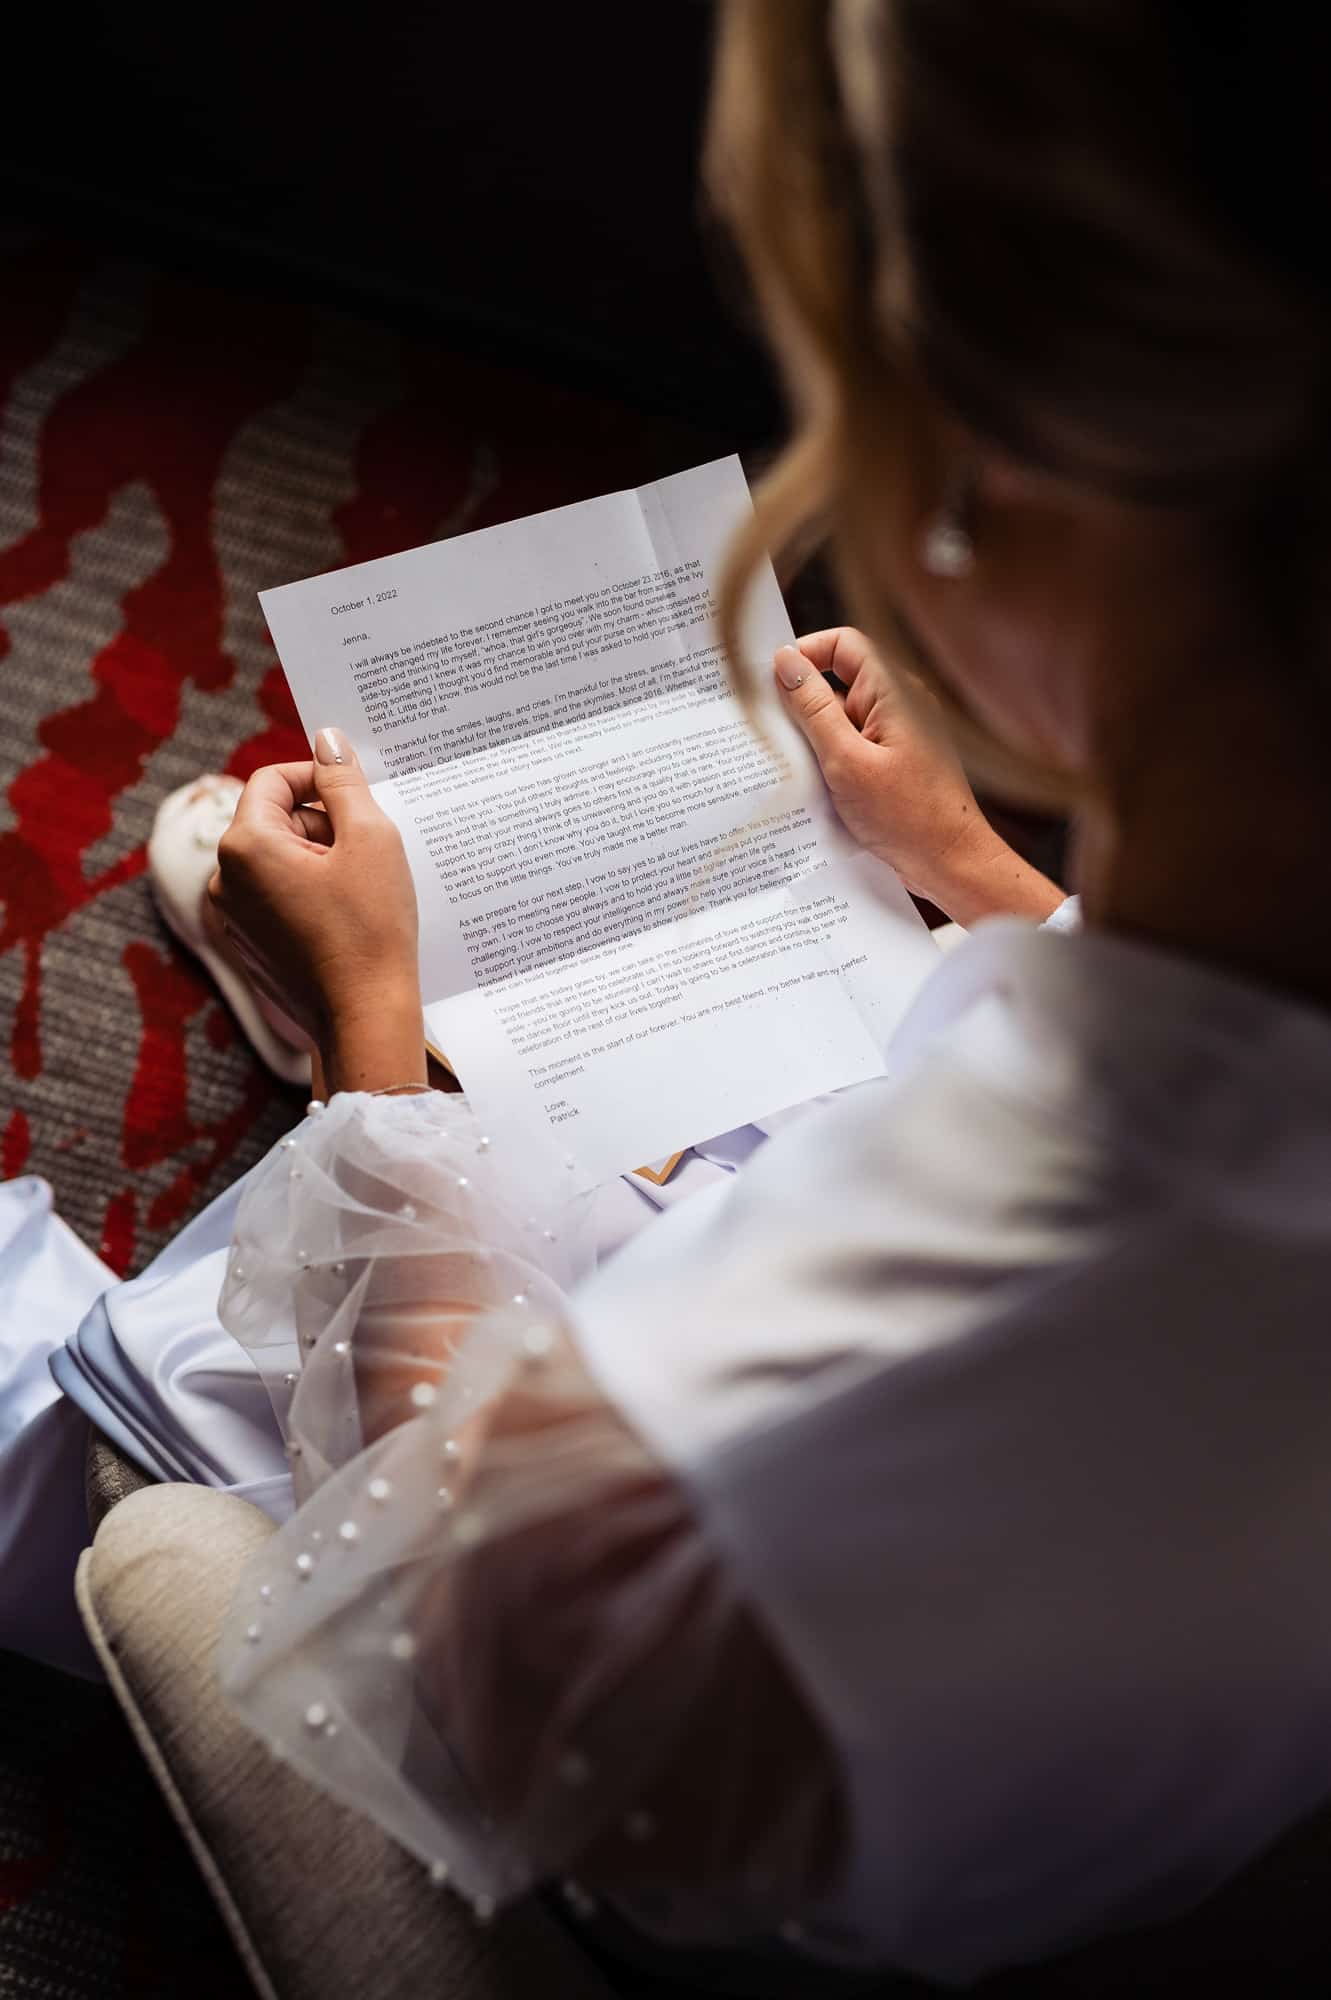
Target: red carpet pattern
{"type": "Point", "coordinates": [167, 449]}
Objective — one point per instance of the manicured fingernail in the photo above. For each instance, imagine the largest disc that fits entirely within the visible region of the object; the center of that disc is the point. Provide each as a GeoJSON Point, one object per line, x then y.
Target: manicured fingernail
{"type": "Point", "coordinates": [331, 747]}
{"type": "Point", "coordinates": [792, 669]}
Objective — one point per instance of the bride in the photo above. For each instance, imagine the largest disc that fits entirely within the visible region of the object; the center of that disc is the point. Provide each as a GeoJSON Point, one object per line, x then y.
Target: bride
{"type": "Point", "coordinates": [909, 1549]}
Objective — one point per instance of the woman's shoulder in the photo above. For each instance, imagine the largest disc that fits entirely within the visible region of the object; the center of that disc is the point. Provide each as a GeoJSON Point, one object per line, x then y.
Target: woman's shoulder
{"type": "Point", "coordinates": [1135, 1071]}
{"type": "Point", "coordinates": [1138, 1014]}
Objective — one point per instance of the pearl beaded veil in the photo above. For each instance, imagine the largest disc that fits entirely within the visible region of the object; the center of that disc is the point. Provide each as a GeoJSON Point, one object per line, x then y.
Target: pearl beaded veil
{"type": "Point", "coordinates": [493, 1623]}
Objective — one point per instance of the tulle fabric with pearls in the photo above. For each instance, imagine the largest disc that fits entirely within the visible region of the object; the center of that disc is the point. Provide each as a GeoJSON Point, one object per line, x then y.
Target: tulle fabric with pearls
{"type": "Point", "coordinates": [494, 1623]}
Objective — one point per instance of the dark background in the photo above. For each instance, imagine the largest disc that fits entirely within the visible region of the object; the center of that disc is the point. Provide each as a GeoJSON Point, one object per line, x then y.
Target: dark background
{"type": "Point", "coordinates": [524, 177]}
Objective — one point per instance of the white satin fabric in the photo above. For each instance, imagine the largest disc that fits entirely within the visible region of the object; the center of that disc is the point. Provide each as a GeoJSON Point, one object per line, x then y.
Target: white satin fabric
{"type": "Point", "coordinates": [47, 1281]}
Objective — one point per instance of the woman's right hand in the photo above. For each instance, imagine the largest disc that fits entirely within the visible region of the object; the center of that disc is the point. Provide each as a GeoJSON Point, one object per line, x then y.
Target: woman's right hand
{"type": "Point", "coordinates": [897, 783]}
{"type": "Point", "coordinates": [314, 893]}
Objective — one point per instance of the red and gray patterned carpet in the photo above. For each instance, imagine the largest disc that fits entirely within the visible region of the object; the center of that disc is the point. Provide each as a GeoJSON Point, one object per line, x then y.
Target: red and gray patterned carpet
{"type": "Point", "coordinates": [167, 449]}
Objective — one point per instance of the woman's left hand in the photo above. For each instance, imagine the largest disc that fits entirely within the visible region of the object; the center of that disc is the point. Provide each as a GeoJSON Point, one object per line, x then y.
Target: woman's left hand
{"type": "Point", "coordinates": [313, 890]}
{"type": "Point", "coordinates": [898, 785]}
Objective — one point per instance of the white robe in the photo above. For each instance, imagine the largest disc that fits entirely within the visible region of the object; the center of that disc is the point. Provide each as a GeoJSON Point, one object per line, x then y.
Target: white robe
{"type": "Point", "coordinates": [996, 1394]}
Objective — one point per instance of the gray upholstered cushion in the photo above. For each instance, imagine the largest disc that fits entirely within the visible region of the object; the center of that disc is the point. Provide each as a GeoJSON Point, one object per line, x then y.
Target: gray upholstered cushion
{"type": "Point", "coordinates": [319, 1901]}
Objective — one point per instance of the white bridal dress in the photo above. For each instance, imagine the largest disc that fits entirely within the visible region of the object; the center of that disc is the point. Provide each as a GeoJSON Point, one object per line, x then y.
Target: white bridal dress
{"type": "Point", "coordinates": [909, 1550]}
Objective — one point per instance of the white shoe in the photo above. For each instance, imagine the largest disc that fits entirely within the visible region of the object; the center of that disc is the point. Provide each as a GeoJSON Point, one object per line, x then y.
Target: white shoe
{"type": "Point", "coordinates": [182, 854]}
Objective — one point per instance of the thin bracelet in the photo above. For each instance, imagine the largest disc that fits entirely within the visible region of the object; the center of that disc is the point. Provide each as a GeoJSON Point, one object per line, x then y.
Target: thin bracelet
{"type": "Point", "coordinates": [401, 1090]}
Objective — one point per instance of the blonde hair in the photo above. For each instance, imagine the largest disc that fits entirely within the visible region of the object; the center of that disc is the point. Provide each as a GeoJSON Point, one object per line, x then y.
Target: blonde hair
{"type": "Point", "coordinates": [1027, 211]}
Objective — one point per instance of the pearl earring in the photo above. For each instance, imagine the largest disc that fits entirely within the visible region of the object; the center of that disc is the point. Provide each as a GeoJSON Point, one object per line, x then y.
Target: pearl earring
{"type": "Point", "coordinates": [947, 547]}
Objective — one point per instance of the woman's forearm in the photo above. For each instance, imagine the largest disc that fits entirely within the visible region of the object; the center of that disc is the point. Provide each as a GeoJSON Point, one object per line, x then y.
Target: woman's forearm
{"type": "Point", "coordinates": [990, 879]}
{"type": "Point", "coordinates": [376, 1044]}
